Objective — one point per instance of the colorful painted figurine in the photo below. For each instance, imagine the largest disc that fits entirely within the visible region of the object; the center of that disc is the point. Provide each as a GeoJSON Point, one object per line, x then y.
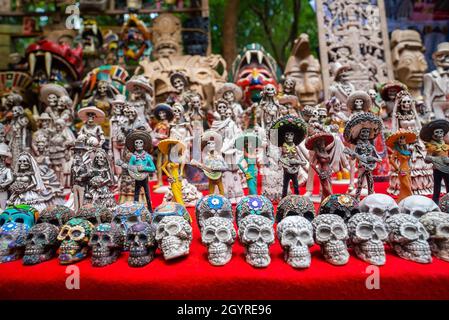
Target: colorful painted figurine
{"type": "Point", "coordinates": [6, 176]}
{"type": "Point", "coordinates": [360, 131]}
{"type": "Point", "coordinates": [433, 134]}
{"type": "Point", "coordinates": [80, 173]}
{"type": "Point", "coordinates": [91, 131]}
{"type": "Point", "coordinates": [249, 143]}
{"type": "Point", "coordinates": [400, 154]}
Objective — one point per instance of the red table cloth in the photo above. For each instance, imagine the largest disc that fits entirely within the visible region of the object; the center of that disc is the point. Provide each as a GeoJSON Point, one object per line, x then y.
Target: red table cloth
{"type": "Point", "coordinates": [193, 277]}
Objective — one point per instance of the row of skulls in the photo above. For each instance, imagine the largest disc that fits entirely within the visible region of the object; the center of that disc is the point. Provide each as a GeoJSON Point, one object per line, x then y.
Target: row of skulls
{"type": "Point", "coordinates": [414, 228]}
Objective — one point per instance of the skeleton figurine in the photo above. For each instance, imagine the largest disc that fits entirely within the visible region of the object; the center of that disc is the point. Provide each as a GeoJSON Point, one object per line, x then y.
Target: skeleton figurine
{"type": "Point", "coordinates": [233, 94]}
{"type": "Point", "coordinates": [57, 147]}
{"type": "Point", "coordinates": [74, 237]}
{"type": "Point", "coordinates": [106, 242]}
{"type": "Point", "coordinates": [360, 131]}
{"type": "Point", "coordinates": [331, 233]}
{"type": "Point", "coordinates": [437, 225]}
{"type": "Point", "coordinates": [79, 173]}
{"type": "Point", "coordinates": [408, 237]}
{"type": "Point", "coordinates": [6, 176]}
{"type": "Point", "coordinates": [218, 234]}
{"type": "Point", "coordinates": [141, 243]}
{"type": "Point", "coordinates": [19, 133]}
{"type": "Point", "coordinates": [45, 123]}
{"type": "Point", "coordinates": [141, 92]}
{"type": "Point", "coordinates": [118, 122]}
{"type": "Point", "coordinates": [367, 234]}
{"type": "Point", "coordinates": [41, 243]}
{"type": "Point", "coordinates": [269, 106]}
{"type": "Point", "coordinates": [91, 131]}
{"type": "Point", "coordinates": [342, 88]}
{"type": "Point", "coordinates": [295, 234]}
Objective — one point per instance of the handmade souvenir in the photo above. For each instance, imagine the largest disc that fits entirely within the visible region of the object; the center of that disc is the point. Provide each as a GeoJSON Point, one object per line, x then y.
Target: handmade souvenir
{"type": "Point", "coordinates": [408, 238]}
{"type": "Point", "coordinates": [287, 133]}
{"type": "Point", "coordinates": [49, 95]}
{"type": "Point", "coordinates": [360, 130]}
{"type": "Point", "coordinates": [57, 215]}
{"type": "Point", "coordinates": [21, 213]}
{"type": "Point", "coordinates": [295, 205]}
{"type": "Point", "coordinates": [269, 106]}
{"type": "Point", "coordinates": [295, 234]}
{"type": "Point", "coordinates": [388, 92]}
{"type": "Point", "coordinates": [41, 243]}
{"type": "Point", "coordinates": [417, 206]}
{"type": "Point", "coordinates": [128, 214]}
{"type": "Point", "coordinates": [342, 87]}
{"type": "Point", "coordinates": [249, 143]}
{"type": "Point", "coordinates": [409, 63]}
{"type": "Point", "coordinates": [141, 243]}
{"type": "Point", "coordinates": [74, 237]}
{"type": "Point", "coordinates": [95, 214]}
{"type": "Point", "coordinates": [437, 225]}
{"type": "Point", "coordinates": [171, 221]}
{"type": "Point", "coordinates": [367, 233]}
{"type": "Point", "coordinates": [196, 116]}
{"type": "Point", "coordinates": [180, 129]}
{"type": "Point", "coordinates": [258, 205]}
{"type": "Point", "coordinates": [91, 132]}
{"type": "Point", "coordinates": [379, 204]}
{"type": "Point", "coordinates": [141, 92]}
{"type": "Point", "coordinates": [399, 144]}
{"type": "Point", "coordinates": [106, 242]}
{"type": "Point", "coordinates": [218, 234]}
{"type": "Point", "coordinates": [45, 126]}
{"type": "Point", "coordinates": [58, 143]}
{"type": "Point", "coordinates": [118, 122]}
{"type": "Point", "coordinates": [433, 134]}
{"type": "Point", "coordinates": [213, 205]}
{"type": "Point", "coordinates": [6, 175]}
{"type": "Point", "coordinates": [90, 35]}
{"type": "Point", "coordinates": [140, 164]}
{"type": "Point", "coordinates": [331, 233]}
{"type": "Point", "coordinates": [135, 43]}
{"type": "Point", "coordinates": [342, 205]}
{"type": "Point", "coordinates": [79, 173]}
{"type": "Point", "coordinates": [12, 241]}
{"type": "Point", "coordinates": [163, 114]}
{"type": "Point", "coordinates": [436, 89]}
{"type": "Point", "coordinates": [166, 36]}
{"type": "Point", "coordinates": [233, 95]}
{"type": "Point", "coordinates": [19, 134]}
{"type": "Point", "coordinates": [306, 70]}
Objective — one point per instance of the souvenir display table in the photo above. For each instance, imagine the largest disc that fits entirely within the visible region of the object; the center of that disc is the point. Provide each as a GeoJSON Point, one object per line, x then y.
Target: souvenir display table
{"type": "Point", "coordinates": [193, 277]}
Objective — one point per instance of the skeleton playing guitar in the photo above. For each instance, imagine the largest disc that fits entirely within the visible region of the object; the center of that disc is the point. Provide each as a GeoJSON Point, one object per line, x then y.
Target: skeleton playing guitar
{"type": "Point", "coordinates": [368, 162]}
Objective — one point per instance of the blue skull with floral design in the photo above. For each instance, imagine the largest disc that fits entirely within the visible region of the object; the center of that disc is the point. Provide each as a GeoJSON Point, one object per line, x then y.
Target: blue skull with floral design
{"type": "Point", "coordinates": [130, 213]}
{"type": "Point", "coordinates": [21, 213]}
{"type": "Point", "coordinates": [254, 204]}
{"type": "Point", "coordinates": [12, 241]}
{"type": "Point", "coordinates": [213, 205]}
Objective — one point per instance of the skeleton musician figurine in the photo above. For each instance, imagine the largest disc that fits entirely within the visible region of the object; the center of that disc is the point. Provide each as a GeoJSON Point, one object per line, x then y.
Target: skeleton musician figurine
{"type": "Point", "coordinates": [360, 131]}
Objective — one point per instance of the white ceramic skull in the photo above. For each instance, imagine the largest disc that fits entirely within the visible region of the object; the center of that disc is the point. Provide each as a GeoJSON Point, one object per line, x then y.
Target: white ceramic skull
{"type": "Point", "coordinates": [367, 233]}
{"type": "Point", "coordinates": [174, 235]}
{"type": "Point", "coordinates": [408, 237]}
{"type": "Point", "coordinates": [295, 234]}
{"type": "Point", "coordinates": [257, 235]}
{"type": "Point", "coordinates": [437, 225]}
{"type": "Point", "coordinates": [331, 233]}
{"type": "Point", "coordinates": [379, 204]}
{"type": "Point", "coordinates": [417, 206]}
{"type": "Point", "coordinates": [218, 234]}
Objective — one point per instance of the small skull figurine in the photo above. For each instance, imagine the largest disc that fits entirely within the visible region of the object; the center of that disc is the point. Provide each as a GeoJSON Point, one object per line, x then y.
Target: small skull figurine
{"type": "Point", "coordinates": [56, 215]}
{"type": "Point", "coordinates": [417, 206]}
{"type": "Point", "coordinates": [75, 236]}
{"type": "Point", "coordinates": [218, 234]}
{"type": "Point", "coordinates": [342, 205]}
{"type": "Point", "coordinates": [380, 204]}
{"type": "Point", "coordinates": [437, 225]}
{"type": "Point", "coordinates": [12, 241]}
{"type": "Point", "coordinates": [295, 205]}
{"type": "Point", "coordinates": [444, 203]}
{"type": "Point", "coordinates": [95, 214]}
{"type": "Point", "coordinates": [295, 234]}
{"type": "Point", "coordinates": [331, 233]}
{"type": "Point", "coordinates": [106, 243]}
{"type": "Point", "coordinates": [129, 213]}
{"type": "Point", "coordinates": [213, 205]}
{"type": "Point", "coordinates": [408, 237]}
{"type": "Point", "coordinates": [41, 243]}
{"type": "Point", "coordinates": [174, 235]}
{"type": "Point", "coordinates": [141, 243]}
{"type": "Point", "coordinates": [257, 235]}
{"type": "Point", "coordinates": [367, 233]}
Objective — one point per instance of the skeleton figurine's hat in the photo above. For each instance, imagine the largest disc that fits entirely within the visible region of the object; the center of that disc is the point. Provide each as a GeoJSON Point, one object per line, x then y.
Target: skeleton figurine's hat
{"type": "Point", "coordinates": [362, 95]}
{"type": "Point", "coordinates": [99, 114]}
{"type": "Point", "coordinates": [427, 130]}
{"type": "Point", "coordinates": [51, 88]}
{"type": "Point", "coordinates": [165, 145]}
{"type": "Point", "coordinates": [442, 49]}
{"type": "Point", "coordinates": [163, 107]}
{"type": "Point", "coordinates": [288, 124]}
{"type": "Point", "coordinates": [409, 135]}
{"type": "Point", "coordinates": [364, 120]}
{"type": "Point", "coordinates": [229, 86]}
{"type": "Point", "coordinates": [320, 135]}
{"type": "Point", "coordinates": [392, 85]}
{"type": "Point", "coordinates": [140, 81]}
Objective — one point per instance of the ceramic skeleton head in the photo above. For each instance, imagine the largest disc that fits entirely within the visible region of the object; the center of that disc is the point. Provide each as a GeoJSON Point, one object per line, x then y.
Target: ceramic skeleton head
{"type": "Point", "coordinates": [141, 243]}
{"type": "Point", "coordinates": [379, 204]}
{"type": "Point", "coordinates": [367, 233]}
{"type": "Point", "coordinates": [213, 205]}
{"type": "Point", "coordinates": [417, 206]}
{"type": "Point", "coordinates": [408, 237]}
{"type": "Point", "coordinates": [331, 233]}
{"type": "Point", "coordinates": [174, 235]}
{"type": "Point", "coordinates": [295, 234]}
{"type": "Point", "coordinates": [218, 234]}
{"type": "Point", "coordinates": [437, 225]}
{"type": "Point", "coordinates": [41, 243]}
{"type": "Point", "coordinates": [257, 235]}
{"type": "Point", "coordinates": [74, 237]}
{"type": "Point", "coordinates": [12, 241]}
{"type": "Point", "coordinates": [106, 243]}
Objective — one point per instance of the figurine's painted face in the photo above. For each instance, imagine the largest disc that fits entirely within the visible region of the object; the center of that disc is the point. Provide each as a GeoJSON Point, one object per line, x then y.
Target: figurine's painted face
{"type": "Point", "coordinates": [138, 144]}
{"type": "Point", "coordinates": [343, 76]}
{"type": "Point", "coordinates": [438, 134]}
{"type": "Point", "coordinates": [176, 111]}
{"type": "Point", "coordinates": [372, 93]}
{"type": "Point", "coordinates": [41, 145]}
{"type": "Point", "coordinates": [392, 93]}
{"type": "Point", "coordinates": [166, 52]}
{"type": "Point", "coordinates": [289, 136]}
{"type": "Point", "coordinates": [228, 113]}
{"type": "Point", "coordinates": [442, 61]}
{"type": "Point", "coordinates": [269, 90]}
{"type": "Point", "coordinates": [102, 87]}
{"type": "Point", "coordinates": [24, 163]}
{"type": "Point", "coordinates": [45, 124]}
{"type": "Point", "coordinates": [411, 67]}
{"type": "Point", "coordinates": [402, 140]}
{"type": "Point", "coordinates": [118, 109]}
{"type": "Point", "coordinates": [211, 145]}
{"type": "Point", "coordinates": [90, 118]}
{"type": "Point", "coordinates": [100, 159]}
{"type": "Point", "coordinates": [221, 109]}
{"type": "Point", "coordinates": [52, 100]}
{"type": "Point", "coordinates": [17, 111]}
{"type": "Point", "coordinates": [406, 103]}
{"type": "Point", "coordinates": [138, 91]}
{"type": "Point", "coordinates": [59, 127]}
{"type": "Point", "coordinates": [196, 102]}
{"type": "Point", "coordinates": [163, 115]}
{"type": "Point", "coordinates": [64, 103]}
{"type": "Point", "coordinates": [229, 96]}
{"type": "Point", "coordinates": [364, 133]}
{"type": "Point", "coordinates": [289, 85]}
{"type": "Point", "coordinates": [358, 104]}
{"type": "Point", "coordinates": [178, 84]}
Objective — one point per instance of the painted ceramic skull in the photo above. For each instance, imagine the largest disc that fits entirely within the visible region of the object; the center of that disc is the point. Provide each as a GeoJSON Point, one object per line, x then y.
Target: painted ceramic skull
{"type": "Point", "coordinates": [258, 205]}
{"type": "Point", "coordinates": [141, 244]}
{"type": "Point", "coordinates": [408, 237]}
{"type": "Point", "coordinates": [295, 205]}
{"type": "Point", "coordinates": [218, 234]}
{"type": "Point", "coordinates": [417, 206]}
{"type": "Point", "coordinates": [12, 241]}
{"type": "Point", "coordinates": [174, 235]}
{"type": "Point", "coordinates": [331, 233]}
{"type": "Point", "coordinates": [257, 235]}
{"type": "Point", "coordinates": [74, 237]}
{"type": "Point", "coordinates": [41, 243]}
{"type": "Point", "coordinates": [213, 205]}
{"type": "Point", "coordinates": [130, 213]}
{"type": "Point", "coordinates": [95, 214]}
{"type": "Point", "coordinates": [342, 205]}
{"type": "Point", "coordinates": [56, 215]}
{"type": "Point", "coordinates": [295, 233]}
{"type": "Point", "coordinates": [444, 203]}
{"type": "Point", "coordinates": [437, 225]}
{"type": "Point", "coordinates": [21, 213]}
{"type": "Point", "coordinates": [106, 242]}
{"type": "Point", "coordinates": [379, 204]}
{"type": "Point", "coordinates": [367, 233]}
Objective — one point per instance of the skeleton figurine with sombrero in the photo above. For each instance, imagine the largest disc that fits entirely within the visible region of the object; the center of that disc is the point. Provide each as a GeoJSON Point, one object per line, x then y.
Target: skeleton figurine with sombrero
{"type": "Point", "coordinates": [233, 94]}
{"type": "Point", "coordinates": [360, 131]}
{"type": "Point", "coordinates": [359, 101]}
{"type": "Point", "coordinates": [341, 87]}
{"type": "Point", "coordinates": [140, 164]}
{"type": "Point", "coordinates": [79, 173]}
{"type": "Point", "coordinates": [91, 131]}
{"type": "Point", "coordinates": [433, 134]}
{"type": "Point", "coordinates": [287, 133]}
{"type": "Point", "coordinates": [388, 92]}
{"type": "Point", "coordinates": [49, 95]}
{"type": "Point", "coordinates": [6, 176]}
{"type": "Point", "coordinates": [141, 93]}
